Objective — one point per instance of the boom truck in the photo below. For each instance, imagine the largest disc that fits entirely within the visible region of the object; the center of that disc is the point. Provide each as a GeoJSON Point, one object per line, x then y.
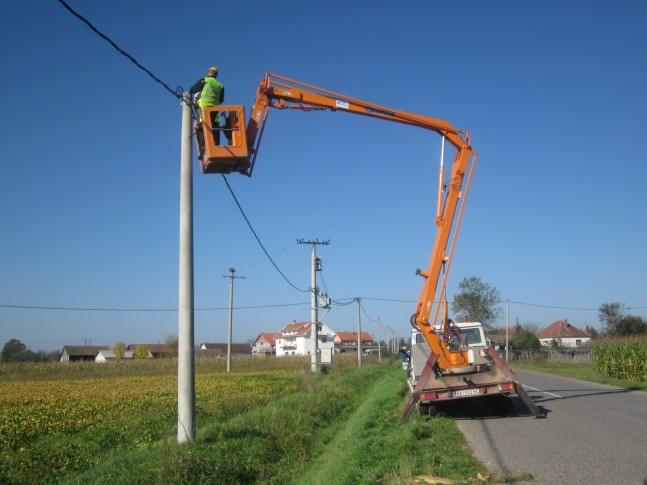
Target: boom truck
{"type": "Point", "coordinates": [445, 365]}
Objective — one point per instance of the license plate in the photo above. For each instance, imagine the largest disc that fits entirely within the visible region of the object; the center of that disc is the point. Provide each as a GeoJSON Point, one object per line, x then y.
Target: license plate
{"type": "Point", "coordinates": [466, 392]}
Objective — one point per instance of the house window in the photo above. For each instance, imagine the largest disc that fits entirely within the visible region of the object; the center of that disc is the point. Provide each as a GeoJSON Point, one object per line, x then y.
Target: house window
{"type": "Point", "coordinates": [323, 340]}
{"type": "Point", "coordinates": [578, 343]}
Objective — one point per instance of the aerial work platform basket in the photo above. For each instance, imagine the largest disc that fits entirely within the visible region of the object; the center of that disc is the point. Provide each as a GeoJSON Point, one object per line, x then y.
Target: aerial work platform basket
{"type": "Point", "coordinates": [218, 153]}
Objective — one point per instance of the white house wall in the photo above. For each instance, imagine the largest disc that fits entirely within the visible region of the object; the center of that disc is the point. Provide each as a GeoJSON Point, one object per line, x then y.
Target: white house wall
{"type": "Point", "coordinates": [303, 343]}
{"type": "Point", "coordinates": [565, 341]}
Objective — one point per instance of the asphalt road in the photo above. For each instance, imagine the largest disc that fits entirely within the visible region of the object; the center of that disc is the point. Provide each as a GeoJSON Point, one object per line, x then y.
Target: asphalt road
{"type": "Point", "coordinates": [592, 434]}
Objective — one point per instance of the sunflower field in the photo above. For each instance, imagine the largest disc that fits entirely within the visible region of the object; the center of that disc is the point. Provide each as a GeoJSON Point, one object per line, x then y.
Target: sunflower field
{"type": "Point", "coordinates": [51, 427]}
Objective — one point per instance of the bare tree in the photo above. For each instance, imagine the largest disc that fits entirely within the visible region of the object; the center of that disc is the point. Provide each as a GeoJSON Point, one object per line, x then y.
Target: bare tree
{"type": "Point", "coordinates": [171, 342]}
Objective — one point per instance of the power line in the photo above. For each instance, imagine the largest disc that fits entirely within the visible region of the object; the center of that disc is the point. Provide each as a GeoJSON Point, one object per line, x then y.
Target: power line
{"type": "Point", "coordinates": [257, 238]}
{"type": "Point", "coordinates": [86, 309]}
{"type": "Point", "coordinates": [178, 94]}
{"type": "Point", "coordinates": [554, 307]}
{"type": "Point", "coordinates": [388, 299]}
{"type": "Point", "coordinates": [364, 311]}
{"type": "Point", "coordinates": [337, 302]}
{"type": "Point", "coordinates": [178, 91]}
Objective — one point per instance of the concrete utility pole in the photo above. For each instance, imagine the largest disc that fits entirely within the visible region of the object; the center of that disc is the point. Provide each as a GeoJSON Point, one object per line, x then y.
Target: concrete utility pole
{"type": "Point", "coordinates": [231, 312]}
{"type": "Point", "coordinates": [185, 358]}
{"type": "Point", "coordinates": [392, 340]}
{"type": "Point", "coordinates": [379, 345]}
{"type": "Point", "coordinates": [507, 328]}
{"type": "Point", "coordinates": [359, 332]}
{"type": "Point", "coordinates": [314, 308]}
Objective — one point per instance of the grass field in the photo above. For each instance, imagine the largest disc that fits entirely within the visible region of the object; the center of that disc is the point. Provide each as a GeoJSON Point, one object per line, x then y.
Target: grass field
{"type": "Point", "coordinates": [259, 424]}
{"type": "Point", "coordinates": [583, 371]}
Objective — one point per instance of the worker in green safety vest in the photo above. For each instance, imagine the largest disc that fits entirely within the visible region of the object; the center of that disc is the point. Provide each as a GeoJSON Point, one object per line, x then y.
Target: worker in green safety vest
{"type": "Point", "coordinates": [212, 93]}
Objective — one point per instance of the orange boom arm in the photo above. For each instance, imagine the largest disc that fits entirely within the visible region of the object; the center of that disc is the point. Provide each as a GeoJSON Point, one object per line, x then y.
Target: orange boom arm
{"type": "Point", "coordinates": [282, 93]}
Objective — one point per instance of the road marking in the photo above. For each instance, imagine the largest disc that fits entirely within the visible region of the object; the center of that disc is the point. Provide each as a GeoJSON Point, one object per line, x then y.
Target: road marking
{"type": "Point", "coordinates": [539, 390]}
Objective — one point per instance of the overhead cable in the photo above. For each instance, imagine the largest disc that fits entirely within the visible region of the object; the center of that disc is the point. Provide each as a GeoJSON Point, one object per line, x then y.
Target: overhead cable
{"type": "Point", "coordinates": [177, 92]}
{"type": "Point", "coordinates": [364, 311]}
{"type": "Point", "coordinates": [87, 309]}
{"type": "Point", "coordinates": [555, 307]}
{"type": "Point", "coordinates": [257, 238]}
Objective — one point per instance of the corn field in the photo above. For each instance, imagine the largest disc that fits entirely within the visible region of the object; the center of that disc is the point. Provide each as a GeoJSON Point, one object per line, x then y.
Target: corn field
{"type": "Point", "coordinates": [622, 359]}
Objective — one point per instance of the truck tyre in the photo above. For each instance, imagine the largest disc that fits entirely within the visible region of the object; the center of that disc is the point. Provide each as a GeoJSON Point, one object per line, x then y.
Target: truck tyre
{"type": "Point", "coordinates": [427, 410]}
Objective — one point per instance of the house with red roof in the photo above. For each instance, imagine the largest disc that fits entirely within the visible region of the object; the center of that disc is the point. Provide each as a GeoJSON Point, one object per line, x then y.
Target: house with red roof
{"type": "Point", "coordinates": [347, 341]}
{"type": "Point", "coordinates": [295, 338]}
{"type": "Point", "coordinates": [565, 334]}
{"type": "Point", "coordinates": [265, 344]}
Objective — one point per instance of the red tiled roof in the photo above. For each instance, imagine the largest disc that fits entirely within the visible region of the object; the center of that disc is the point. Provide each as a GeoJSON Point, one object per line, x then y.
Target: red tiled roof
{"type": "Point", "coordinates": [352, 336]}
{"type": "Point", "coordinates": [301, 328]}
{"type": "Point", "coordinates": [87, 350]}
{"type": "Point", "coordinates": [270, 338]}
{"type": "Point", "coordinates": [561, 329]}
{"type": "Point", "coordinates": [235, 348]}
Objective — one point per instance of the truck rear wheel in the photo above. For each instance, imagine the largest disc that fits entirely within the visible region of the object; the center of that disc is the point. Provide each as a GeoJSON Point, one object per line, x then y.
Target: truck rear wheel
{"type": "Point", "coordinates": [426, 409]}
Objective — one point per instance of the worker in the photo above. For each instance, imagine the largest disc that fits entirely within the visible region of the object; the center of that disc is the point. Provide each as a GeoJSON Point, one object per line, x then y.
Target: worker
{"type": "Point", "coordinates": [211, 93]}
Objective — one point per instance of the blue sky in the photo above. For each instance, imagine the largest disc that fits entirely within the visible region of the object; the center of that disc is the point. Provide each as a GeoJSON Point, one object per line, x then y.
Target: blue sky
{"type": "Point", "coordinates": [552, 92]}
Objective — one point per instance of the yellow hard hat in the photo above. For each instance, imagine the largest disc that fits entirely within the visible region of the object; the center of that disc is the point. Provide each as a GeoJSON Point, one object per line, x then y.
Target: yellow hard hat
{"type": "Point", "coordinates": [214, 69]}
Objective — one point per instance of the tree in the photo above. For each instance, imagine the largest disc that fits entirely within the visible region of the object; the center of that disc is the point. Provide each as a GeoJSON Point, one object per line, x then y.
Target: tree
{"type": "Point", "coordinates": [172, 345]}
{"type": "Point", "coordinates": [616, 323]}
{"type": "Point", "coordinates": [556, 343]}
{"type": "Point", "coordinates": [525, 338]}
{"type": "Point", "coordinates": [119, 349]}
{"type": "Point", "coordinates": [477, 301]}
{"type": "Point", "coordinates": [54, 356]}
{"type": "Point", "coordinates": [592, 331]}
{"type": "Point", "coordinates": [141, 352]}
{"type": "Point", "coordinates": [13, 351]}
{"type": "Point", "coordinates": [631, 325]}
{"type": "Point", "coordinates": [610, 315]}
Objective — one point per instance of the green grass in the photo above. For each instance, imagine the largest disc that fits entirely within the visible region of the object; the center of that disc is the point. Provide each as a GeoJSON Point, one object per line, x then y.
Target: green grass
{"type": "Point", "coordinates": [371, 446]}
{"type": "Point", "coordinates": [341, 428]}
{"type": "Point", "coordinates": [583, 371]}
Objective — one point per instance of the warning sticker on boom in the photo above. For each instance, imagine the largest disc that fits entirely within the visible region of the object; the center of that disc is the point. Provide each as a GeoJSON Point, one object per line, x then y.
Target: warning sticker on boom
{"type": "Point", "coordinates": [341, 104]}
{"type": "Point", "coordinates": [380, 111]}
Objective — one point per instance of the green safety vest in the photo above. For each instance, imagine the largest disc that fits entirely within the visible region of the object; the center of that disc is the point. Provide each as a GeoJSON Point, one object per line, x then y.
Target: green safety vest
{"type": "Point", "coordinates": [210, 95]}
